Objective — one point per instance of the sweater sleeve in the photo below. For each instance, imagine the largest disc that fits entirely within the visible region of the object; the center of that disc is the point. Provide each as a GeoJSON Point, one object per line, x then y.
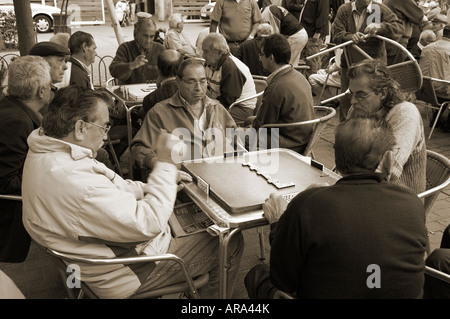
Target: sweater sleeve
{"type": "Point", "coordinates": [119, 67]}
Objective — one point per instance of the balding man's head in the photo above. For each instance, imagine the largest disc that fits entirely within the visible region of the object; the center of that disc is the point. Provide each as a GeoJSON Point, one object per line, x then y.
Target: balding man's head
{"type": "Point", "coordinates": [168, 61]}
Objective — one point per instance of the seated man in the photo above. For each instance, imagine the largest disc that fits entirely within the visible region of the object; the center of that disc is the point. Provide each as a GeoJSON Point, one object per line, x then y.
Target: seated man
{"type": "Point", "coordinates": [82, 47]}
{"type": "Point", "coordinates": [439, 259]}
{"type": "Point", "coordinates": [329, 243]}
{"type": "Point", "coordinates": [435, 62]}
{"type": "Point", "coordinates": [176, 39]}
{"type": "Point", "coordinates": [229, 78]}
{"type": "Point", "coordinates": [62, 39]}
{"type": "Point", "coordinates": [135, 61]}
{"type": "Point", "coordinates": [249, 50]}
{"type": "Point", "coordinates": [426, 37]}
{"type": "Point", "coordinates": [287, 97]}
{"type": "Point", "coordinates": [331, 75]}
{"type": "Point", "coordinates": [166, 84]}
{"type": "Point", "coordinates": [189, 113]}
{"type": "Point", "coordinates": [374, 91]}
{"type": "Point", "coordinates": [29, 85]}
{"type": "Point", "coordinates": [57, 56]}
{"type": "Point", "coordinates": [74, 204]}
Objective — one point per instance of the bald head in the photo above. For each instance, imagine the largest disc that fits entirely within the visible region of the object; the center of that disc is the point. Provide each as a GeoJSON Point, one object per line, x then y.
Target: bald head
{"type": "Point", "coordinates": [168, 61]}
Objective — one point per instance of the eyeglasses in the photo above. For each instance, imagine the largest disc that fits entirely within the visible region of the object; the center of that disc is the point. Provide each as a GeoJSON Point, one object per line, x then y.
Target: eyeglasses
{"type": "Point", "coordinates": [194, 82]}
{"type": "Point", "coordinates": [359, 96]}
{"type": "Point", "coordinates": [105, 128]}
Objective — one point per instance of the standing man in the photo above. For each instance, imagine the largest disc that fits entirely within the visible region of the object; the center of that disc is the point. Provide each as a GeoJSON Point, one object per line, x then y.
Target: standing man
{"type": "Point", "coordinates": [82, 47]}
{"type": "Point", "coordinates": [353, 21]}
{"type": "Point", "coordinates": [287, 97]}
{"type": "Point", "coordinates": [285, 23]}
{"type": "Point", "coordinates": [135, 61]}
{"type": "Point", "coordinates": [314, 18]}
{"type": "Point", "coordinates": [29, 87]}
{"type": "Point", "coordinates": [237, 21]}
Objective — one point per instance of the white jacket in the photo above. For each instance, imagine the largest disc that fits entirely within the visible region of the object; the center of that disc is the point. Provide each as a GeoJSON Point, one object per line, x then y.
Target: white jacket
{"type": "Point", "coordinates": [76, 205]}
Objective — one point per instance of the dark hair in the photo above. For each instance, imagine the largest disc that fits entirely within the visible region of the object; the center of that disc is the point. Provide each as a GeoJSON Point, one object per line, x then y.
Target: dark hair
{"type": "Point", "coordinates": [279, 47]}
{"type": "Point", "coordinates": [360, 144]}
{"type": "Point", "coordinates": [187, 62]}
{"type": "Point", "coordinates": [77, 39]}
{"type": "Point", "coordinates": [69, 105]}
{"type": "Point", "coordinates": [380, 77]}
{"type": "Point", "coordinates": [168, 62]}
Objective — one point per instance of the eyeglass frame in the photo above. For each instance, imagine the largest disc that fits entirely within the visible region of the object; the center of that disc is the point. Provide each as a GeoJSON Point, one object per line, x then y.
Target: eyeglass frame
{"type": "Point", "coordinates": [105, 128]}
{"type": "Point", "coordinates": [360, 99]}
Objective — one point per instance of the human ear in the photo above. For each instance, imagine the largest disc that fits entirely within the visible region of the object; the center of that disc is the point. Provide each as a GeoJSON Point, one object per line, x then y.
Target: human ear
{"type": "Point", "coordinates": [79, 131]}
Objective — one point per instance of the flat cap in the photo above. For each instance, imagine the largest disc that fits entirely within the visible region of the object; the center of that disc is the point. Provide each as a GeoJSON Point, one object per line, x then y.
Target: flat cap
{"type": "Point", "coordinates": [143, 15]}
{"type": "Point", "coordinates": [47, 48]}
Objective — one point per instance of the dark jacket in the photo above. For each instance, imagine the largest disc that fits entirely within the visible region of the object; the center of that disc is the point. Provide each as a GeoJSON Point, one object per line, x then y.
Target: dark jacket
{"type": "Point", "coordinates": [17, 121]}
{"type": "Point", "coordinates": [79, 75]}
{"type": "Point", "coordinates": [329, 241]}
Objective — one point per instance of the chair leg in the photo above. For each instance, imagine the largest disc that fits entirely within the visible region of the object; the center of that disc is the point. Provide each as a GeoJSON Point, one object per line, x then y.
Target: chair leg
{"type": "Point", "coordinates": [262, 243]}
{"type": "Point", "coordinates": [435, 121]}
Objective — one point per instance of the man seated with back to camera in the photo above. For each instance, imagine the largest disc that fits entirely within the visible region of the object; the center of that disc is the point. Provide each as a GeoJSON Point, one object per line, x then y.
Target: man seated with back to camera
{"type": "Point", "coordinates": [191, 113]}
{"type": "Point", "coordinates": [135, 61]}
{"type": "Point", "coordinates": [373, 90]}
{"type": "Point", "coordinates": [329, 243]}
{"type": "Point", "coordinates": [92, 212]}
{"type": "Point", "coordinates": [166, 84]}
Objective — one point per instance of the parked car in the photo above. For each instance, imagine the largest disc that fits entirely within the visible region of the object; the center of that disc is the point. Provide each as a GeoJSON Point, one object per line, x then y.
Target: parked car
{"type": "Point", "coordinates": [205, 12]}
{"type": "Point", "coordinates": [42, 14]}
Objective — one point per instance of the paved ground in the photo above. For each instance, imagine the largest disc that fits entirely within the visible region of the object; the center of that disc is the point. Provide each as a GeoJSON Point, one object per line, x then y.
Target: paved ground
{"type": "Point", "coordinates": [38, 278]}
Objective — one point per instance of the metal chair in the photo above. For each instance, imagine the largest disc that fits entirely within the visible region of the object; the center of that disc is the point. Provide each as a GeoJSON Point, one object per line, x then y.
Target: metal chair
{"type": "Point", "coordinates": [190, 285]}
{"type": "Point", "coordinates": [322, 115]}
{"type": "Point", "coordinates": [437, 274]}
{"type": "Point", "coordinates": [408, 73]}
{"type": "Point", "coordinates": [438, 177]}
{"type": "Point", "coordinates": [427, 94]}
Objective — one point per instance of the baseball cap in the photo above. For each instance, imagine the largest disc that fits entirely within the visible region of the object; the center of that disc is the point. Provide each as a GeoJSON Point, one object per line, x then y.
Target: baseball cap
{"type": "Point", "coordinates": [47, 48]}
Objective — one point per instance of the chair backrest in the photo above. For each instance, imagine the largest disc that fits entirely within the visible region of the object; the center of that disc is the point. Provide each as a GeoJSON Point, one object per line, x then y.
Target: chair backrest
{"type": "Point", "coordinates": [437, 178]}
{"type": "Point", "coordinates": [260, 86]}
{"type": "Point", "coordinates": [322, 114]}
{"type": "Point", "coordinates": [427, 92]}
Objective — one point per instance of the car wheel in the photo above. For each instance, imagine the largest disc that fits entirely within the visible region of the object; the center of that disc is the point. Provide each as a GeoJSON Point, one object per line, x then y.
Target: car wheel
{"type": "Point", "coordinates": [43, 23]}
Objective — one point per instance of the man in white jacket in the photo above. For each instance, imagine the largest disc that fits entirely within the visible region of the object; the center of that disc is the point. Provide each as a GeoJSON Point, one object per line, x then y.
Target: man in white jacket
{"type": "Point", "coordinates": [76, 205]}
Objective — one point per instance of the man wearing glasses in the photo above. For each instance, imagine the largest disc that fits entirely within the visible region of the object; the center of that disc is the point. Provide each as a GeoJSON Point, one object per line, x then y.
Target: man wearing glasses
{"type": "Point", "coordinates": [373, 92]}
{"type": "Point", "coordinates": [189, 113]}
{"type": "Point", "coordinates": [73, 203]}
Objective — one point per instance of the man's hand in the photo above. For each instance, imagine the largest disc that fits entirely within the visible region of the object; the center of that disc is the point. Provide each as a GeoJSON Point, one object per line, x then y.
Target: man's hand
{"type": "Point", "coordinates": [170, 148]}
{"type": "Point", "coordinates": [138, 62]}
{"type": "Point", "coordinates": [372, 28]}
{"type": "Point", "coordinates": [183, 176]}
{"type": "Point", "coordinates": [358, 37]}
{"type": "Point", "coordinates": [274, 207]}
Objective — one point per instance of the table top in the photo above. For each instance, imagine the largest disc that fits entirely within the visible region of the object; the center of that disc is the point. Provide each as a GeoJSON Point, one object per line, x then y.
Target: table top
{"type": "Point", "coordinates": [236, 192]}
{"type": "Point", "coordinates": [131, 94]}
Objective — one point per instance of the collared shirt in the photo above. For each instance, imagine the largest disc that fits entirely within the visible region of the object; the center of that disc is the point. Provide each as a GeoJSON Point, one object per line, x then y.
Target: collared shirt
{"type": "Point", "coordinates": [274, 73]}
{"type": "Point", "coordinates": [87, 69]}
{"type": "Point", "coordinates": [360, 16]}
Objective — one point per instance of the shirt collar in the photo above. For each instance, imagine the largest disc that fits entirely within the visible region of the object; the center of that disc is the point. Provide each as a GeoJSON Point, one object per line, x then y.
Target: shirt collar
{"type": "Point", "coordinates": [368, 9]}
{"type": "Point", "coordinates": [274, 73]}
{"type": "Point", "coordinates": [77, 152]}
{"type": "Point", "coordinates": [88, 70]}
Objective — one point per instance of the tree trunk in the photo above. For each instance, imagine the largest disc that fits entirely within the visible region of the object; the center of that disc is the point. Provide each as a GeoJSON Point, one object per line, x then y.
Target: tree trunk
{"type": "Point", "coordinates": [25, 28]}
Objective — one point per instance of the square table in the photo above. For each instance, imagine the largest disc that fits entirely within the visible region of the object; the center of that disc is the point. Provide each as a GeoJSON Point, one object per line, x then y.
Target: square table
{"type": "Point", "coordinates": [231, 190]}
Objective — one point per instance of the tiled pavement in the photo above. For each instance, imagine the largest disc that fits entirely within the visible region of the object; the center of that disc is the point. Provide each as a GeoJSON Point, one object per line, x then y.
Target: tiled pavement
{"type": "Point", "coordinates": [38, 279]}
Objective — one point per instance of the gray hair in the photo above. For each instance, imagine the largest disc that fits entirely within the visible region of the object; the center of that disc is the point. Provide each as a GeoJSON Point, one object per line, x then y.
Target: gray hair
{"type": "Point", "coordinates": [61, 38]}
{"type": "Point", "coordinates": [264, 30]}
{"type": "Point", "coordinates": [174, 19]}
{"type": "Point", "coordinates": [26, 74]}
{"type": "Point", "coordinates": [218, 43]}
